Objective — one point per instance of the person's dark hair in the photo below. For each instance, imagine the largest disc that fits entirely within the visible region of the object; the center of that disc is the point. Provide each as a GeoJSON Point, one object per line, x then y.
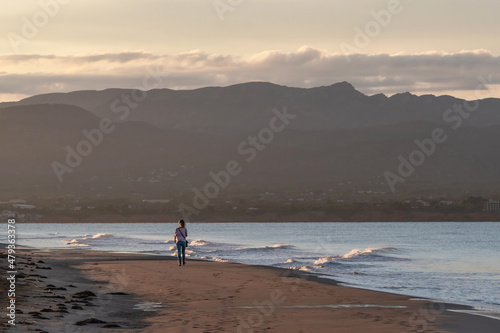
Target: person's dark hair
{"type": "Point", "coordinates": [182, 223]}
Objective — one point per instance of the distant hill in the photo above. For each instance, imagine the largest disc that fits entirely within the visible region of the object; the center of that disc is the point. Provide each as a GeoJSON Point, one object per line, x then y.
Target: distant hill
{"type": "Point", "coordinates": [340, 140]}
{"type": "Point", "coordinates": [247, 107]}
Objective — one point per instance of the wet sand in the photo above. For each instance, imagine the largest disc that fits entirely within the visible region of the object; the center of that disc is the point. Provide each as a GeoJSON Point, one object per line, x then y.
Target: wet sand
{"type": "Point", "coordinates": [90, 291]}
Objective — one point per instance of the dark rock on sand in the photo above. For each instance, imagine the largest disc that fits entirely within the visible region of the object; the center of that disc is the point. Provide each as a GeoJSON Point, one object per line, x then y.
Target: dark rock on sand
{"type": "Point", "coordinates": [60, 288]}
{"type": "Point", "coordinates": [61, 297]}
{"type": "Point", "coordinates": [89, 321]}
{"type": "Point", "coordinates": [118, 293]}
{"type": "Point", "coordinates": [37, 315]}
{"type": "Point", "coordinates": [47, 310]}
{"type": "Point", "coordinates": [84, 294]}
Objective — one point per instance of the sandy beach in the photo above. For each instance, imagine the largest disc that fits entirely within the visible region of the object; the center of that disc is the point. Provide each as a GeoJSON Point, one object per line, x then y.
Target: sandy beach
{"type": "Point", "coordinates": [90, 291]}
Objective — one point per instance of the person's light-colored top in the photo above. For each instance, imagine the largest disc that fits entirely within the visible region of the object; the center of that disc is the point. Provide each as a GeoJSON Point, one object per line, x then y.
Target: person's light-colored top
{"type": "Point", "coordinates": [180, 234]}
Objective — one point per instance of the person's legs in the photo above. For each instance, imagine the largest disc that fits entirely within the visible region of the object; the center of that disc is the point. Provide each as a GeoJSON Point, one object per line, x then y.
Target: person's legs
{"type": "Point", "coordinates": [179, 247]}
{"type": "Point", "coordinates": [184, 253]}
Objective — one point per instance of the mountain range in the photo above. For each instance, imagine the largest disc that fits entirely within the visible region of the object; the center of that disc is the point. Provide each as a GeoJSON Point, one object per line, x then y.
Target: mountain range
{"type": "Point", "coordinates": [164, 143]}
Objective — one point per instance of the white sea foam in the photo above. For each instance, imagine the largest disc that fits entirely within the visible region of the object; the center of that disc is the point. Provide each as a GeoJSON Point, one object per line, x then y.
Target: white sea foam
{"type": "Point", "coordinates": [198, 242]}
{"type": "Point", "coordinates": [102, 236]}
{"type": "Point", "coordinates": [75, 242]}
{"type": "Point", "coordinates": [302, 268]}
{"type": "Point", "coordinates": [214, 259]}
{"type": "Point", "coordinates": [323, 260]}
{"type": "Point", "coordinates": [356, 253]}
{"type": "Point", "coordinates": [372, 254]}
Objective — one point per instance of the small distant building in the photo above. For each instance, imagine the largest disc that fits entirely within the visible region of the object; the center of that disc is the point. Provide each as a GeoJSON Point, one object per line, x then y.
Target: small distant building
{"type": "Point", "coordinates": [492, 206]}
{"type": "Point", "coordinates": [17, 201]}
{"type": "Point", "coordinates": [160, 201]}
{"type": "Point", "coordinates": [23, 206]}
{"type": "Point", "coordinates": [425, 203]}
{"type": "Point", "coordinates": [446, 203]}
{"type": "Point", "coordinates": [7, 214]}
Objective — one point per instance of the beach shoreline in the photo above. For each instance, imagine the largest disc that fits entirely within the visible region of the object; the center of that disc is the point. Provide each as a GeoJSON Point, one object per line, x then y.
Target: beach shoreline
{"type": "Point", "coordinates": [206, 296]}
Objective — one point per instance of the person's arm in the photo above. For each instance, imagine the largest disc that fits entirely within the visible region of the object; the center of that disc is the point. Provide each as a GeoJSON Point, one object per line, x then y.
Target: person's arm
{"type": "Point", "coordinates": [175, 236]}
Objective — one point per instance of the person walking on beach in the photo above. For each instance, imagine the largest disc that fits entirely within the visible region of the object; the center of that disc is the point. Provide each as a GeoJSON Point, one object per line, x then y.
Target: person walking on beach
{"type": "Point", "coordinates": [181, 241]}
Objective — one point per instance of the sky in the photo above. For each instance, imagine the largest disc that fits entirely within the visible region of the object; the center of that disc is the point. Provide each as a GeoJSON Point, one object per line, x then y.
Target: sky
{"type": "Point", "coordinates": [419, 46]}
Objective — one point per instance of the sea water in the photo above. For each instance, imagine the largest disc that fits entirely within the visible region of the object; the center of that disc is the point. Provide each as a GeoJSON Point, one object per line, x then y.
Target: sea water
{"type": "Point", "coordinates": [449, 262]}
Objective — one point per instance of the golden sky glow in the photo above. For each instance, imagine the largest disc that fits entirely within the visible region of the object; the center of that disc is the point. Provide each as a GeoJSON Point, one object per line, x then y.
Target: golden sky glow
{"type": "Point", "coordinates": [430, 46]}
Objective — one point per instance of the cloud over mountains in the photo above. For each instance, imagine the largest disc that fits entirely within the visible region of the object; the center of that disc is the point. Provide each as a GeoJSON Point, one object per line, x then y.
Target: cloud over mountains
{"type": "Point", "coordinates": [430, 72]}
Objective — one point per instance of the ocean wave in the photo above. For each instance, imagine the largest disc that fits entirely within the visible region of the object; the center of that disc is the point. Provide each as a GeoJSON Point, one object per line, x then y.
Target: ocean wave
{"type": "Point", "coordinates": [99, 239]}
{"type": "Point", "coordinates": [279, 246]}
{"type": "Point", "coordinates": [357, 254]}
{"type": "Point", "coordinates": [266, 248]}
{"type": "Point", "coordinates": [90, 237]}
{"type": "Point", "coordinates": [102, 236]}
{"type": "Point", "coordinates": [323, 260]}
{"type": "Point", "coordinates": [75, 242]}
{"type": "Point", "coordinates": [198, 242]}
{"type": "Point", "coordinates": [214, 259]}
{"type": "Point", "coordinates": [302, 268]}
